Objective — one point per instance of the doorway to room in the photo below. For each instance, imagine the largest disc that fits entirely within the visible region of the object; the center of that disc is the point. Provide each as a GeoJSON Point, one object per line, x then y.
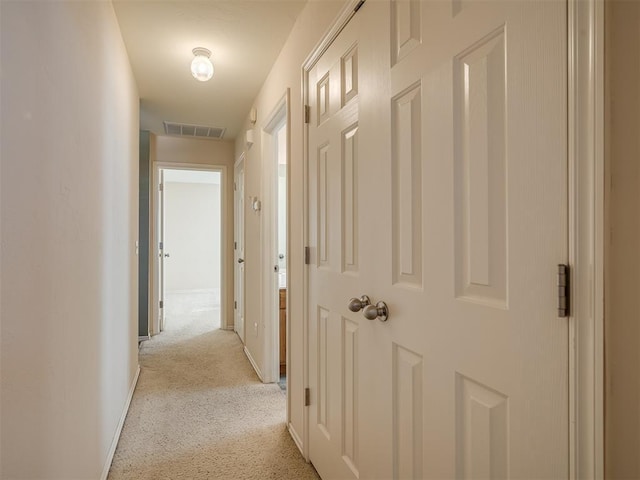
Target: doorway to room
{"type": "Point", "coordinates": [276, 153]}
{"type": "Point", "coordinates": [190, 260]}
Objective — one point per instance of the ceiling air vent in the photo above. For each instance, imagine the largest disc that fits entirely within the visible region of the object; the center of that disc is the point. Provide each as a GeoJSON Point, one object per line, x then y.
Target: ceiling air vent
{"type": "Point", "coordinates": [195, 131]}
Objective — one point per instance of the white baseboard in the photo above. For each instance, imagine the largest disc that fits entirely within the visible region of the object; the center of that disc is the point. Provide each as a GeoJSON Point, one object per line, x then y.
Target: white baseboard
{"type": "Point", "coordinates": [296, 438]}
{"type": "Point", "coordinates": [116, 437]}
{"type": "Point", "coordinates": [227, 328]}
{"type": "Point", "coordinates": [253, 363]}
{"type": "Point", "coordinates": [142, 338]}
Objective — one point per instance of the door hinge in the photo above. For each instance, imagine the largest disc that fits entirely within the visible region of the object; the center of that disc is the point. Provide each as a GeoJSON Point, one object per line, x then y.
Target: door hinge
{"type": "Point", "coordinates": [563, 291]}
{"type": "Point", "coordinates": [307, 397]}
{"type": "Point", "coordinates": [161, 304]}
{"type": "Point", "coordinates": [235, 187]}
{"type": "Point", "coordinates": [359, 5]}
{"type": "Point", "coordinates": [235, 245]}
{"type": "Point", "coordinates": [161, 187]}
{"type": "Point", "coordinates": [307, 255]}
{"type": "Point", "coordinates": [235, 305]}
{"type": "Point", "coordinates": [160, 245]}
{"type": "Point", "coordinates": [307, 114]}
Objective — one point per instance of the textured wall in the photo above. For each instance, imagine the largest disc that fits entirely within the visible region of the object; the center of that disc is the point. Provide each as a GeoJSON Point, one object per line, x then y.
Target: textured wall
{"type": "Point", "coordinates": [69, 204]}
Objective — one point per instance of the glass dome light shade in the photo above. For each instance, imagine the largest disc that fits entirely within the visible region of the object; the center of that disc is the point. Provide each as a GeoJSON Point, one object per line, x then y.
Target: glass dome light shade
{"type": "Point", "coordinates": [201, 66]}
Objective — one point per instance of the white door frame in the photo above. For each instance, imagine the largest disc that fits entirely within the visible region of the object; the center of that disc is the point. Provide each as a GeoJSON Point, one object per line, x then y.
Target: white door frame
{"type": "Point", "coordinates": [279, 114]}
{"type": "Point", "coordinates": [239, 238]}
{"type": "Point", "coordinates": [586, 207]}
{"type": "Point", "coordinates": [155, 267]}
{"type": "Point", "coordinates": [586, 229]}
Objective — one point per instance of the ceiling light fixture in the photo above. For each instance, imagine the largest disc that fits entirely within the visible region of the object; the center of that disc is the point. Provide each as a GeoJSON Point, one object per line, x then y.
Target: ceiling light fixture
{"type": "Point", "coordinates": [201, 66]}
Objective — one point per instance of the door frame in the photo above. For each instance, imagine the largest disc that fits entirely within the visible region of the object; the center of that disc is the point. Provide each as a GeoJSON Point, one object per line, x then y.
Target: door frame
{"type": "Point", "coordinates": [155, 236]}
{"type": "Point", "coordinates": [586, 230]}
{"type": "Point", "coordinates": [585, 66]}
{"type": "Point", "coordinates": [280, 114]}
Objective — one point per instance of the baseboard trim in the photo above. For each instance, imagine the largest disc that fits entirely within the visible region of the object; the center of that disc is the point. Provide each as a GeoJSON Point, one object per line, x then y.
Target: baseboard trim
{"type": "Point", "coordinates": [116, 437]}
{"type": "Point", "coordinates": [253, 364]}
{"type": "Point", "coordinates": [142, 338]}
{"type": "Point", "coordinates": [227, 328]}
{"type": "Point", "coordinates": [296, 438]}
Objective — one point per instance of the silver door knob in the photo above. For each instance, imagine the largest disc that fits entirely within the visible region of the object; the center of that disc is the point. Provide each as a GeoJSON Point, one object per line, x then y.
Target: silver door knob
{"type": "Point", "coordinates": [357, 304]}
{"type": "Point", "coordinates": [241, 260]}
{"type": "Point", "coordinates": [379, 311]}
{"type": "Point", "coordinates": [167, 255]}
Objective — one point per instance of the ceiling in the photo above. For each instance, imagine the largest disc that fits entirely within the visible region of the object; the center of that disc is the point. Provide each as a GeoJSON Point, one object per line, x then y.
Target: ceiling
{"type": "Point", "coordinates": [244, 37]}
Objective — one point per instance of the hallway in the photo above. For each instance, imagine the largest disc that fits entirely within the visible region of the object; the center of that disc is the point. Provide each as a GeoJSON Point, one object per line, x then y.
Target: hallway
{"type": "Point", "coordinates": [200, 412]}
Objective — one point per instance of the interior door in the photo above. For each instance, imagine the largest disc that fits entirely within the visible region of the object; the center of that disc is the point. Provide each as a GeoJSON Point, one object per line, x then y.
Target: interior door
{"type": "Point", "coordinates": [161, 254]}
{"type": "Point", "coordinates": [333, 133]}
{"type": "Point", "coordinates": [239, 250]}
{"type": "Point", "coordinates": [445, 196]}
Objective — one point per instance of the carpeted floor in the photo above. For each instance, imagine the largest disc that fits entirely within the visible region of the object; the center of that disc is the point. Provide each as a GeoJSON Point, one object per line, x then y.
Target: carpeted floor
{"type": "Point", "coordinates": [200, 412]}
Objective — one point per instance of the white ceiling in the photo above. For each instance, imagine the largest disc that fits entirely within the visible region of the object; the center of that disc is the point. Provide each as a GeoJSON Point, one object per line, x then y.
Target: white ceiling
{"type": "Point", "coordinates": [244, 37]}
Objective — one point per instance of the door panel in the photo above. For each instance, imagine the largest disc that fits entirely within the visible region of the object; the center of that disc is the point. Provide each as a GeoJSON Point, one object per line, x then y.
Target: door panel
{"type": "Point", "coordinates": [445, 180]}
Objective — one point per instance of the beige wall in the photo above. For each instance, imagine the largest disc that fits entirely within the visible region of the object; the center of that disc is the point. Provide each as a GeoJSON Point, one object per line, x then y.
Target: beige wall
{"type": "Point", "coordinates": [622, 298]}
{"type": "Point", "coordinates": [312, 23]}
{"type": "Point", "coordinates": [189, 151]}
{"type": "Point", "coordinates": [69, 215]}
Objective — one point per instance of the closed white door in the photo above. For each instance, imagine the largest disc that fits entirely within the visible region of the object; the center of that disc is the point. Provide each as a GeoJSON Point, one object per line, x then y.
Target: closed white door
{"type": "Point", "coordinates": [445, 196]}
{"type": "Point", "coordinates": [239, 250]}
{"type": "Point", "coordinates": [334, 275]}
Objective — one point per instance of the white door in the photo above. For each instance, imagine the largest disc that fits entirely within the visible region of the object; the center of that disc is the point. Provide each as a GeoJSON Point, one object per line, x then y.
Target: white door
{"type": "Point", "coordinates": [239, 250]}
{"type": "Point", "coordinates": [161, 254]}
{"type": "Point", "coordinates": [445, 197]}
{"type": "Point", "coordinates": [335, 270]}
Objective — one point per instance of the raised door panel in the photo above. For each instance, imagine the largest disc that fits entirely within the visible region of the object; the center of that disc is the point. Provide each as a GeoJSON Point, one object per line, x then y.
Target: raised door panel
{"type": "Point", "coordinates": [480, 174]}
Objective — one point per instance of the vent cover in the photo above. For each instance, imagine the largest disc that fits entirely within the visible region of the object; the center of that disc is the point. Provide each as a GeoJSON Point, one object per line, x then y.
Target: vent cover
{"type": "Point", "coordinates": [196, 131]}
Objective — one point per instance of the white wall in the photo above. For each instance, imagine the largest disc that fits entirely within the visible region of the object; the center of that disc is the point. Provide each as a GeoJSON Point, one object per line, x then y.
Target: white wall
{"type": "Point", "coordinates": [177, 150]}
{"type": "Point", "coordinates": [192, 230]}
{"type": "Point", "coordinates": [69, 215]}
{"type": "Point", "coordinates": [310, 26]}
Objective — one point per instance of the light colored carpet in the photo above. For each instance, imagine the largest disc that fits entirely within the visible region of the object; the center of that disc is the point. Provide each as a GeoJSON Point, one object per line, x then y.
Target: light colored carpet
{"type": "Point", "coordinates": [200, 412]}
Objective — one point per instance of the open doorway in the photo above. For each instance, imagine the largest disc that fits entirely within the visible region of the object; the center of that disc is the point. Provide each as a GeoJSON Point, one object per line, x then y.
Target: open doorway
{"type": "Point", "coordinates": [281, 245]}
{"type": "Point", "coordinates": [276, 152]}
{"type": "Point", "coordinates": [190, 234]}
